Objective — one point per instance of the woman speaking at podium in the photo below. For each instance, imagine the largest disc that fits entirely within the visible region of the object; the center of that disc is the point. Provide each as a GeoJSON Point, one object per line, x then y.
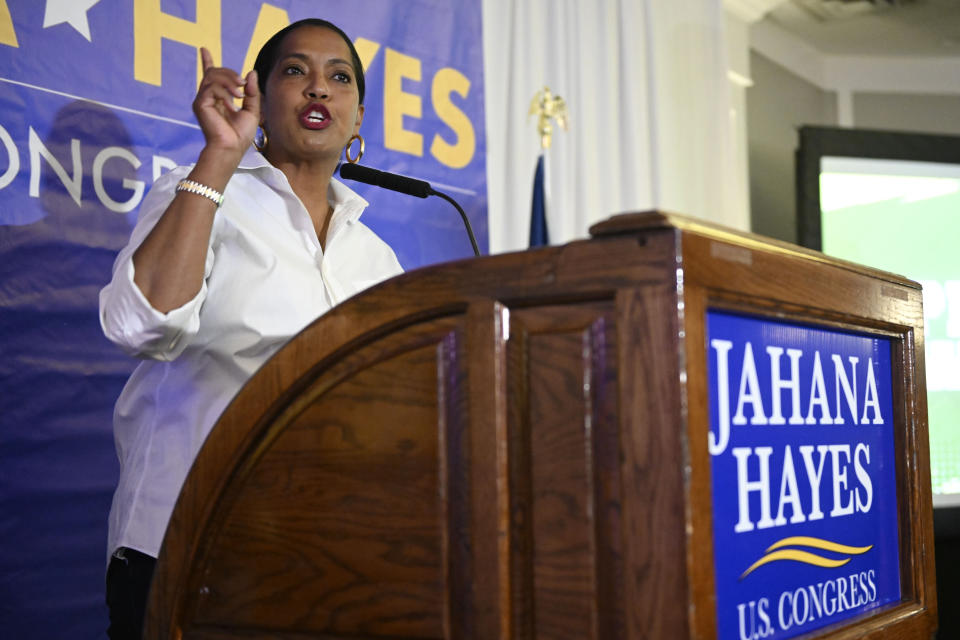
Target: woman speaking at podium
{"type": "Point", "coordinates": [229, 259]}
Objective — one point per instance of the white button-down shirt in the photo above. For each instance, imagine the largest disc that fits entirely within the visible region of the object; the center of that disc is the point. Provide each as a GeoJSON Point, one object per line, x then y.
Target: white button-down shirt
{"type": "Point", "coordinates": [266, 278]}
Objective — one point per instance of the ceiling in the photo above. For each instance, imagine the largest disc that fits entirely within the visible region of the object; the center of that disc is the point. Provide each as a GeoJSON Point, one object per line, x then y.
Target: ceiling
{"type": "Point", "coordinates": [900, 28]}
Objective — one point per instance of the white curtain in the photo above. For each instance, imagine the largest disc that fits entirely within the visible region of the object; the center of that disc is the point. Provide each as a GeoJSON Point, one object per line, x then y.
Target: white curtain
{"type": "Point", "coordinates": [646, 89]}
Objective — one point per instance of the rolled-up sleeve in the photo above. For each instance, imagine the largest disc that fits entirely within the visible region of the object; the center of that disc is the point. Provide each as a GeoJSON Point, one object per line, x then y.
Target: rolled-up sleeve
{"type": "Point", "coordinates": [126, 316]}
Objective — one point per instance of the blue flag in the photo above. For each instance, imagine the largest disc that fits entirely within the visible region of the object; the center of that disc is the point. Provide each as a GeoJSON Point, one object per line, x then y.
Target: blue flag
{"type": "Point", "coordinates": [538, 211]}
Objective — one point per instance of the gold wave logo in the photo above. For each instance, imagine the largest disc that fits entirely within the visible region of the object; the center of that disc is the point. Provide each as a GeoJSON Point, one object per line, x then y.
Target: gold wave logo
{"type": "Point", "coordinates": [777, 552]}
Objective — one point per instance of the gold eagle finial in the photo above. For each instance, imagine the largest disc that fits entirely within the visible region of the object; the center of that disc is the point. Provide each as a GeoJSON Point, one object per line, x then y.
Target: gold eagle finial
{"type": "Point", "coordinates": [547, 106]}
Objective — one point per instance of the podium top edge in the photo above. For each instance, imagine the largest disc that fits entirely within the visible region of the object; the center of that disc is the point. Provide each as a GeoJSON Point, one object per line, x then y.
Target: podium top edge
{"type": "Point", "coordinates": [644, 221]}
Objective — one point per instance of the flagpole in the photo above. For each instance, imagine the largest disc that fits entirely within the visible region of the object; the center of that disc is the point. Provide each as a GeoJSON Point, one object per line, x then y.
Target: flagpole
{"type": "Point", "coordinates": [546, 107]}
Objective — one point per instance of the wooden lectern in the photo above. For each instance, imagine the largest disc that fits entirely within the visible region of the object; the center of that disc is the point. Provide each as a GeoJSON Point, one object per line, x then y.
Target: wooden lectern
{"type": "Point", "coordinates": [517, 447]}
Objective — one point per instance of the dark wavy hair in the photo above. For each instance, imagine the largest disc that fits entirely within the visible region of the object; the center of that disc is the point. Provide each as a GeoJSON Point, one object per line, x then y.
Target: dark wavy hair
{"type": "Point", "coordinates": [268, 53]}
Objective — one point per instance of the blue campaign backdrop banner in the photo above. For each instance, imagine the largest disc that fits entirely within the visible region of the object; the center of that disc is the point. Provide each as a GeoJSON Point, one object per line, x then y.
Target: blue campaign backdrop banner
{"type": "Point", "coordinates": [803, 474]}
{"type": "Point", "coordinates": [94, 104]}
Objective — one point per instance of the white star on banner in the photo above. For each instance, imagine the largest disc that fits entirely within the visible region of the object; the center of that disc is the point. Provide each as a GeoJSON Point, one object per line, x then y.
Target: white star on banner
{"type": "Point", "coordinates": [73, 12]}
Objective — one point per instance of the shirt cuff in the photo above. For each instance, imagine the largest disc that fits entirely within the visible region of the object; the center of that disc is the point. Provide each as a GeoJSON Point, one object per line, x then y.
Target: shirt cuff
{"type": "Point", "coordinates": [129, 320]}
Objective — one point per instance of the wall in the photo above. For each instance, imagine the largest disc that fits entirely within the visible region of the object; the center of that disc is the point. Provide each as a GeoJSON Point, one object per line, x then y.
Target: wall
{"type": "Point", "coordinates": [780, 101]}
{"type": "Point", "coordinates": [917, 113]}
{"type": "Point", "coordinates": [777, 104]}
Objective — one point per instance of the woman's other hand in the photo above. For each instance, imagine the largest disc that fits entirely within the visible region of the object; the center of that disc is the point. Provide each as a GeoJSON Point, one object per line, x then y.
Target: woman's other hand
{"type": "Point", "coordinates": [226, 127]}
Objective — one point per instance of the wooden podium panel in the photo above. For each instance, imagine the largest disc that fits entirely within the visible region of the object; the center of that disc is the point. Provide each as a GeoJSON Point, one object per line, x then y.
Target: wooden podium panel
{"type": "Point", "coordinates": [372, 532]}
{"type": "Point", "coordinates": [514, 447]}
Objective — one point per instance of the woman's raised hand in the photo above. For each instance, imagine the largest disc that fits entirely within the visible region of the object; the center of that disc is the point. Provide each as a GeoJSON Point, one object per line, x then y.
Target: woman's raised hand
{"type": "Point", "coordinates": [225, 126]}
{"type": "Point", "coordinates": [169, 264]}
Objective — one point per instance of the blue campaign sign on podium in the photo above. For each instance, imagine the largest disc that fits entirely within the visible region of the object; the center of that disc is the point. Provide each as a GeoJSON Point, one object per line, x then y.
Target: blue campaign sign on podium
{"type": "Point", "coordinates": [803, 475]}
{"type": "Point", "coordinates": [95, 103]}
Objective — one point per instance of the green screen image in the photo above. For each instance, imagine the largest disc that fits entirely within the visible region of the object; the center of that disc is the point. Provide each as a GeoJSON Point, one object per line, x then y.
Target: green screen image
{"type": "Point", "coordinates": [904, 217]}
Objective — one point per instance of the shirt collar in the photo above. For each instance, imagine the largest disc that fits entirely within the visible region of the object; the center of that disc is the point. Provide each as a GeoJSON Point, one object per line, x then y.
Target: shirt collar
{"type": "Point", "coordinates": [346, 202]}
{"type": "Point", "coordinates": [346, 199]}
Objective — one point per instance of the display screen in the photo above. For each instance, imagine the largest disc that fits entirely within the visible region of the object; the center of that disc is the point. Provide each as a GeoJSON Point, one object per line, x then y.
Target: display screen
{"type": "Point", "coordinates": [904, 217]}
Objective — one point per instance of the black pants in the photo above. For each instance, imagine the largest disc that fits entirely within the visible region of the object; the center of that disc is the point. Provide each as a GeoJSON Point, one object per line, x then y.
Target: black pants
{"type": "Point", "coordinates": [128, 584]}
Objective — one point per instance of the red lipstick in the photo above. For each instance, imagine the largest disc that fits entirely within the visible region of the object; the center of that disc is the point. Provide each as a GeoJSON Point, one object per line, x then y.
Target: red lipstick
{"type": "Point", "coordinates": [315, 116]}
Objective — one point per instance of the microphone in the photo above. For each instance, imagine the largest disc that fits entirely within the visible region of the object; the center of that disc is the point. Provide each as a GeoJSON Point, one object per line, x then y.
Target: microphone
{"type": "Point", "coordinates": [403, 184]}
{"type": "Point", "coordinates": [392, 181]}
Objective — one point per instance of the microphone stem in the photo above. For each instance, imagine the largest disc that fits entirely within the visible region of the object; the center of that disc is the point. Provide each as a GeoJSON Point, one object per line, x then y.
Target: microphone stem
{"type": "Point", "coordinates": [466, 221]}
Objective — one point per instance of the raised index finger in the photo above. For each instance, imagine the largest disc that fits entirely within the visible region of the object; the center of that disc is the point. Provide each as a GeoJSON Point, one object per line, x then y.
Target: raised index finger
{"type": "Point", "coordinates": [206, 58]}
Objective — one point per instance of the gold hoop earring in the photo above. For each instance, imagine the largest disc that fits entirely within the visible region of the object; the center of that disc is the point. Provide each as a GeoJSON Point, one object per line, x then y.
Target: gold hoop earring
{"type": "Point", "coordinates": [346, 149]}
{"type": "Point", "coordinates": [263, 140]}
